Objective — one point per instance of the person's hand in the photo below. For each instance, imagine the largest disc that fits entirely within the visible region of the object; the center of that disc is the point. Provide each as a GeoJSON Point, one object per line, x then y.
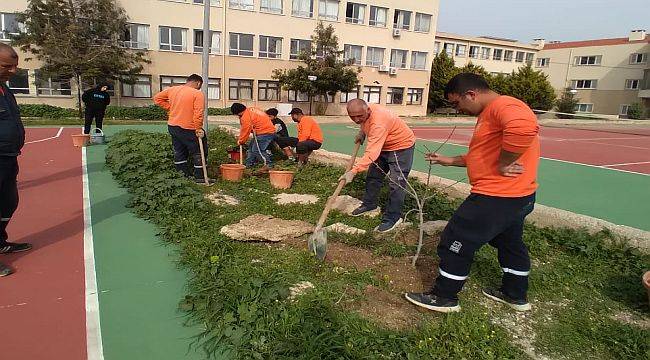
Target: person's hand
{"type": "Point", "coordinates": [360, 138]}
{"type": "Point", "coordinates": [511, 170]}
{"type": "Point", "coordinates": [348, 176]}
{"type": "Point", "coordinates": [200, 133]}
{"type": "Point", "coordinates": [436, 158]}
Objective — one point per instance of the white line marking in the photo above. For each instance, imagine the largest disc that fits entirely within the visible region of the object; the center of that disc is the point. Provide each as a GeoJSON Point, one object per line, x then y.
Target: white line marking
{"type": "Point", "coordinates": [94, 346]}
{"type": "Point", "coordinates": [46, 139]}
{"type": "Point", "coordinates": [632, 163]}
{"type": "Point", "coordinates": [594, 139]}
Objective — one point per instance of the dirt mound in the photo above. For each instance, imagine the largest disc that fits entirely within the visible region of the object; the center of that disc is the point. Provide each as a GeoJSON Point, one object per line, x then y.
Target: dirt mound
{"type": "Point", "coordinates": [266, 228]}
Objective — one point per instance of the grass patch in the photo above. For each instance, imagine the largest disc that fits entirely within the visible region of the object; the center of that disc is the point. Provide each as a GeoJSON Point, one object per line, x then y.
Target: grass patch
{"type": "Point", "coordinates": [80, 122]}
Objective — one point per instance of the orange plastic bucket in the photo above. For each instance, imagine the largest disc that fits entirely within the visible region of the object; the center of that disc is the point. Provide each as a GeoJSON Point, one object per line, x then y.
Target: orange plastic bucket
{"type": "Point", "coordinates": [281, 179]}
{"type": "Point", "coordinates": [232, 172]}
{"type": "Point", "coordinates": [80, 140]}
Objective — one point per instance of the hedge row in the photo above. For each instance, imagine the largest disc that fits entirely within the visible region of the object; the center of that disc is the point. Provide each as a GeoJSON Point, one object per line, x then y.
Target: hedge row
{"type": "Point", "coordinates": [150, 112]}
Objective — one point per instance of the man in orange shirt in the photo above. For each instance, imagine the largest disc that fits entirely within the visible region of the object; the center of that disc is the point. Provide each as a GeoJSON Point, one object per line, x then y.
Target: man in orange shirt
{"type": "Point", "coordinates": [185, 105]}
{"type": "Point", "coordinates": [502, 168]}
{"type": "Point", "coordinates": [310, 137]}
{"type": "Point", "coordinates": [259, 123]}
{"type": "Point", "coordinates": [389, 151]}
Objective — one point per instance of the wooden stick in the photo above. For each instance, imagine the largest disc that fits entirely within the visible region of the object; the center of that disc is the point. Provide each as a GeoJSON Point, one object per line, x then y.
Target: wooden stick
{"type": "Point", "coordinates": [241, 155]}
{"type": "Point", "coordinates": [203, 165]}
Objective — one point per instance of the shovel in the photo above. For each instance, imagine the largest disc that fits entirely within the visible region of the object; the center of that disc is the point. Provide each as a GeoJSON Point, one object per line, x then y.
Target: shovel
{"type": "Point", "coordinates": [317, 242]}
{"type": "Point", "coordinates": [203, 165]}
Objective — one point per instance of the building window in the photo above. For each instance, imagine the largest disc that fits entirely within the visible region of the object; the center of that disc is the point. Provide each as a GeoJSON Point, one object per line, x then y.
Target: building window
{"type": "Point", "coordinates": [214, 89]}
{"type": "Point", "coordinates": [402, 19]}
{"type": "Point", "coordinates": [271, 6]}
{"type": "Point", "coordinates": [241, 44]}
{"type": "Point", "coordinates": [355, 13]}
{"type": "Point", "coordinates": [270, 47]}
{"type": "Point", "coordinates": [632, 84]}
{"type": "Point", "coordinates": [529, 58]}
{"type": "Point", "coordinates": [587, 60]}
{"type": "Point", "coordinates": [638, 59]}
{"type": "Point", "coordinates": [268, 90]}
{"type": "Point", "coordinates": [215, 41]}
{"type": "Point", "coordinates": [449, 49]}
{"type": "Point", "coordinates": [173, 38]}
{"type": "Point", "coordinates": [240, 89]}
{"type": "Point", "coordinates": [584, 84]}
{"type": "Point", "coordinates": [436, 48]}
{"type": "Point", "coordinates": [51, 86]}
{"type": "Point", "coordinates": [473, 52]}
{"type": "Point", "coordinates": [584, 108]}
{"type": "Point", "coordinates": [507, 55]}
{"type": "Point", "coordinates": [241, 4]}
{"type": "Point", "coordinates": [169, 81]}
{"type": "Point", "coordinates": [8, 26]}
{"type": "Point", "coordinates": [414, 96]}
{"type": "Point", "coordinates": [140, 89]}
{"type": "Point", "coordinates": [624, 110]}
{"type": "Point", "coordinates": [299, 46]}
{"type": "Point", "coordinates": [353, 53]}
{"type": "Point", "coordinates": [460, 50]}
{"type": "Point", "coordinates": [372, 94]}
{"type": "Point", "coordinates": [395, 96]}
{"type": "Point", "coordinates": [543, 62]}
{"type": "Point", "coordinates": [398, 58]}
{"type": "Point", "coordinates": [298, 96]}
{"type": "Point", "coordinates": [328, 9]}
{"type": "Point", "coordinates": [327, 98]}
{"type": "Point", "coordinates": [378, 16]}
{"type": "Point", "coordinates": [136, 36]}
{"type": "Point", "coordinates": [422, 22]}
{"type": "Point", "coordinates": [497, 54]}
{"type": "Point", "coordinates": [485, 53]}
{"type": "Point", "coordinates": [418, 60]}
{"type": "Point", "coordinates": [375, 56]}
{"type": "Point", "coordinates": [347, 96]}
{"type": "Point", "coordinates": [19, 83]}
{"type": "Point", "coordinates": [303, 8]}
{"type": "Point", "coordinates": [212, 2]}
{"type": "Point", "coordinates": [519, 57]}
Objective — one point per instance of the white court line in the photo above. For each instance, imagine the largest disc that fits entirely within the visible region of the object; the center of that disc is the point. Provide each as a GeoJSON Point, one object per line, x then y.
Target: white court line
{"type": "Point", "coordinates": [94, 345]}
{"type": "Point", "coordinates": [46, 139]}
{"type": "Point", "coordinates": [632, 163]}
{"type": "Point", "coordinates": [558, 160]}
{"type": "Point", "coordinates": [594, 139]}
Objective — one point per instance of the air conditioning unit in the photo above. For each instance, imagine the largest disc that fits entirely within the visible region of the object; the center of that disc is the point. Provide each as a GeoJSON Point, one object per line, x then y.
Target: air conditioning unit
{"type": "Point", "coordinates": [397, 32]}
{"type": "Point", "coordinates": [383, 68]}
{"type": "Point", "coordinates": [392, 71]}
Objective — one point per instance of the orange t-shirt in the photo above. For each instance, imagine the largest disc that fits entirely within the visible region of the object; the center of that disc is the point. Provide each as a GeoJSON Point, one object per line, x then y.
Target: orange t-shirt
{"type": "Point", "coordinates": [254, 120]}
{"type": "Point", "coordinates": [308, 129]}
{"type": "Point", "coordinates": [385, 131]}
{"type": "Point", "coordinates": [184, 104]}
{"type": "Point", "coordinates": [505, 124]}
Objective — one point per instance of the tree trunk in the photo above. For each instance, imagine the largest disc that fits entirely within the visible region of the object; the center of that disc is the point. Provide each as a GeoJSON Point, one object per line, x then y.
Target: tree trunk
{"type": "Point", "coordinates": [78, 79]}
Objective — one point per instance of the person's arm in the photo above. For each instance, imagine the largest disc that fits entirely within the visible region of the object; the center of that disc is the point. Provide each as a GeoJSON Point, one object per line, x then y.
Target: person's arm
{"type": "Point", "coordinates": [84, 97]}
{"type": "Point", "coordinates": [198, 106]}
{"type": "Point", "coordinates": [520, 129]}
{"type": "Point", "coordinates": [245, 129]}
{"type": "Point", "coordinates": [162, 99]}
{"type": "Point", "coordinates": [108, 99]}
{"type": "Point", "coordinates": [305, 131]}
{"type": "Point", "coordinates": [376, 140]}
{"type": "Point", "coordinates": [438, 159]}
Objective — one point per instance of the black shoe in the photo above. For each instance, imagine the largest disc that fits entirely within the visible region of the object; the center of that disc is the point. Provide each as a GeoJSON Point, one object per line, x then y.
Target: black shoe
{"type": "Point", "coordinates": [433, 302]}
{"type": "Point", "coordinates": [201, 181]}
{"type": "Point", "coordinates": [8, 247]}
{"type": "Point", "coordinates": [387, 226]}
{"type": "Point", "coordinates": [5, 270]}
{"type": "Point", "coordinates": [361, 210]}
{"type": "Point", "coordinates": [498, 295]}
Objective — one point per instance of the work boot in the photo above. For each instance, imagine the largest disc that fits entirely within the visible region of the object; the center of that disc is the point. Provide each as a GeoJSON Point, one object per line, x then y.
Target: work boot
{"type": "Point", "coordinates": [361, 210]}
{"type": "Point", "coordinates": [433, 302]}
{"type": "Point", "coordinates": [5, 270]}
{"type": "Point", "coordinates": [7, 247]}
{"type": "Point", "coordinates": [499, 296]}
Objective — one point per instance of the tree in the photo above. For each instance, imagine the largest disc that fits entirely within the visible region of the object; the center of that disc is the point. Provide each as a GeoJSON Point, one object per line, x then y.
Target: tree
{"type": "Point", "coordinates": [324, 62]}
{"type": "Point", "coordinates": [532, 87]}
{"type": "Point", "coordinates": [442, 70]}
{"type": "Point", "coordinates": [78, 39]}
{"type": "Point", "coordinates": [567, 104]}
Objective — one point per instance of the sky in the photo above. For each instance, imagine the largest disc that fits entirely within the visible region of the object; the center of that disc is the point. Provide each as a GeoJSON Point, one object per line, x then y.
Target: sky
{"type": "Point", "coordinates": [525, 20]}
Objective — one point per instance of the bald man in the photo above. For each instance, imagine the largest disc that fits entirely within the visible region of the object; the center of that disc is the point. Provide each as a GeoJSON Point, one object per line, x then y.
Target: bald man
{"type": "Point", "coordinates": [12, 139]}
{"type": "Point", "coordinates": [389, 151]}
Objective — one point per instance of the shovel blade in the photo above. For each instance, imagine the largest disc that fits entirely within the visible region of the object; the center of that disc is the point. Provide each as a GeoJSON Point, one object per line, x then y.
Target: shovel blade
{"type": "Point", "coordinates": [317, 243]}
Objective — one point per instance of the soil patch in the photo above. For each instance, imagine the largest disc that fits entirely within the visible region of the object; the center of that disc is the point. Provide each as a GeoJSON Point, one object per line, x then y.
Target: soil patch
{"type": "Point", "coordinates": [266, 228]}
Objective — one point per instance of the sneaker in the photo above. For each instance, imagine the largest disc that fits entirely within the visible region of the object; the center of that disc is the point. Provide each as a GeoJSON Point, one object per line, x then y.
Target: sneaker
{"type": "Point", "coordinates": [433, 302]}
{"type": "Point", "coordinates": [387, 226]}
{"type": "Point", "coordinates": [361, 210]}
{"type": "Point", "coordinates": [5, 270]}
{"type": "Point", "coordinates": [498, 295]}
{"type": "Point", "coordinates": [8, 247]}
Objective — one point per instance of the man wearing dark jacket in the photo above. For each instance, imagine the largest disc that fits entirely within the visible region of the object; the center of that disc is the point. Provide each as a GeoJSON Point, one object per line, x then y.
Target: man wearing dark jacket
{"type": "Point", "coordinates": [12, 139]}
{"type": "Point", "coordinates": [96, 100]}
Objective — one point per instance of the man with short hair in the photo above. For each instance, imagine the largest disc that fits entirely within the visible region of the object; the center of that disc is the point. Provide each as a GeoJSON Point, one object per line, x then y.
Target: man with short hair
{"type": "Point", "coordinates": [95, 101]}
{"type": "Point", "coordinates": [258, 122]}
{"type": "Point", "coordinates": [185, 105]}
{"type": "Point", "coordinates": [281, 131]}
{"type": "Point", "coordinates": [389, 152]}
{"type": "Point", "coordinates": [310, 137]}
{"type": "Point", "coordinates": [12, 139]}
{"type": "Point", "coordinates": [502, 167]}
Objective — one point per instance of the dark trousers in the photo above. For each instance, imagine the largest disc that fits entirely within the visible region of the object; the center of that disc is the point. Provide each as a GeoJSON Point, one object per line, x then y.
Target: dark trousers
{"type": "Point", "coordinates": [397, 164]}
{"type": "Point", "coordinates": [8, 193]}
{"type": "Point", "coordinates": [93, 114]}
{"type": "Point", "coordinates": [186, 147]}
{"type": "Point", "coordinates": [302, 147]}
{"type": "Point", "coordinates": [481, 220]}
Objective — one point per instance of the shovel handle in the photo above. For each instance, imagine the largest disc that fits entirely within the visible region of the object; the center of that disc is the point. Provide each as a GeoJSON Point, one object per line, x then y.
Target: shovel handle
{"type": "Point", "coordinates": [203, 165]}
{"type": "Point", "coordinates": [241, 155]}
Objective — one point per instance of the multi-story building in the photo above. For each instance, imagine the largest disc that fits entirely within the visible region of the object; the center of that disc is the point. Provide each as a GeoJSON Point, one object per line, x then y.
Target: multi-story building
{"type": "Point", "coordinates": [608, 75]}
{"type": "Point", "coordinates": [392, 41]}
{"type": "Point", "coordinates": [497, 56]}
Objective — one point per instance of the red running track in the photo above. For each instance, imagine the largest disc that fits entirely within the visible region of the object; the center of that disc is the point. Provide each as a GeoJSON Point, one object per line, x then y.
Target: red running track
{"type": "Point", "coordinates": [42, 305]}
{"type": "Point", "coordinates": [608, 148]}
